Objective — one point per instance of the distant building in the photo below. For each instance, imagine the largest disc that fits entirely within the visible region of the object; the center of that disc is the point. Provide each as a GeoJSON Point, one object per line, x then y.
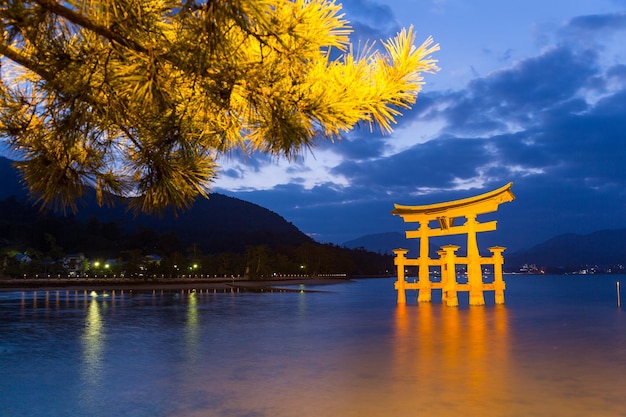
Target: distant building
{"type": "Point", "coordinates": [152, 260]}
{"type": "Point", "coordinates": [149, 263]}
{"type": "Point", "coordinates": [23, 258]}
{"type": "Point", "coordinates": [74, 264]}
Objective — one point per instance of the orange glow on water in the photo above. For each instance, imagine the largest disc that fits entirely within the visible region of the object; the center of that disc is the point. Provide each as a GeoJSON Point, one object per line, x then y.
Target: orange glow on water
{"type": "Point", "coordinates": [451, 360]}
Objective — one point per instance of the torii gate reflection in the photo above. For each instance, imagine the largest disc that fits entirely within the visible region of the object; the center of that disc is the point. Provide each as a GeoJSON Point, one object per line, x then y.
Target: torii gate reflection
{"type": "Point", "coordinates": [445, 215]}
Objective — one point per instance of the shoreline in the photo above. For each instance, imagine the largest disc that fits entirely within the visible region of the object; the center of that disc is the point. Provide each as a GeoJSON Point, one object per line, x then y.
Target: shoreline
{"type": "Point", "coordinates": [21, 285]}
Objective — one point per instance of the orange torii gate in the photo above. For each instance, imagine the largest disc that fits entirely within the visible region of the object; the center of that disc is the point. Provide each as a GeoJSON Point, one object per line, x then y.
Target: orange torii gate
{"type": "Point", "coordinates": [445, 215]}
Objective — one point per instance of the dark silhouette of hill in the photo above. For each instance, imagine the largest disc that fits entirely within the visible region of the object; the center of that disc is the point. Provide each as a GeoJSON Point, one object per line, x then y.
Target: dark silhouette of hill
{"type": "Point", "coordinates": [385, 243]}
{"type": "Point", "coordinates": [217, 224]}
{"type": "Point", "coordinates": [570, 251]}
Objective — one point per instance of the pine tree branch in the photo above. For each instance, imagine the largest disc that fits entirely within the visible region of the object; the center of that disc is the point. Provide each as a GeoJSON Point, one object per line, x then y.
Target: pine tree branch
{"type": "Point", "coordinates": [25, 61]}
{"type": "Point", "coordinates": [83, 21]}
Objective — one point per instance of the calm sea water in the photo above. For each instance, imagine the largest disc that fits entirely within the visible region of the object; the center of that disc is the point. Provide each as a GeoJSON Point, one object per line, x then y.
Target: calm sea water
{"type": "Point", "coordinates": [557, 348]}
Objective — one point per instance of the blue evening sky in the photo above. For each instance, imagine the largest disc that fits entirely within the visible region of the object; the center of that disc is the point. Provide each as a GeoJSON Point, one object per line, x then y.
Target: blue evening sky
{"type": "Point", "coordinates": [532, 92]}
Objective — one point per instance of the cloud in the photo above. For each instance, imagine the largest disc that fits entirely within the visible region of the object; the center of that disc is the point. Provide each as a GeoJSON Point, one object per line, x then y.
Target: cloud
{"type": "Point", "coordinates": [359, 146]}
{"type": "Point", "coordinates": [597, 23]}
{"type": "Point", "coordinates": [370, 20]}
{"type": "Point", "coordinates": [530, 86]}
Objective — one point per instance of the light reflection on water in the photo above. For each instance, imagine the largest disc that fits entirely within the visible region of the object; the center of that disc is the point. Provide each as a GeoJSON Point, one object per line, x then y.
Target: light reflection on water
{"type": "Point", "coordinates": [347, 350]}
{"type": "Point", "coordinates": [458, 359]}
{"type": "Point", "coordinates": [92, 341]}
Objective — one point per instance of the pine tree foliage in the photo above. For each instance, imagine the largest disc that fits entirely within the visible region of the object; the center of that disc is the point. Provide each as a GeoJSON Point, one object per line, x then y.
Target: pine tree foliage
{"type": "Point", "coordinates": [142, 96]}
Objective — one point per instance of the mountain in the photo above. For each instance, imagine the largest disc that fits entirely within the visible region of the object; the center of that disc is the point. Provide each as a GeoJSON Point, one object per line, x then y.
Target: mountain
{"type": "Point", "coordinates": [217, 224]}
{"type": "Point", "coordinates": [385, 243]}
{"type": "Point", "coordinates": [571, 251]}
{"type": "Point", "coordinates": [214, 224]}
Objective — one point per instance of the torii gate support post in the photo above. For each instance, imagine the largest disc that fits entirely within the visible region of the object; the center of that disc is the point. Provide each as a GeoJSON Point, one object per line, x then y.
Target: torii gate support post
{"type": "Point", "coordinates": [449, 290]}
{"type": "Point", "coordinates": [400, 262]}
{"type": "Point", "coordinates": [424, 295]}
{"type": "Point", "coordinates": [444, 274]}
{"type": "Point", "coordinates": [474, 269]}
{"type": "Point", "coordinates": [498, 283]}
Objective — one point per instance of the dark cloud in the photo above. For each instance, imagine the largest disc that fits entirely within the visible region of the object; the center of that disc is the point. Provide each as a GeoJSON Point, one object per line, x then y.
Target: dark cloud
{"type": "Point", "coordinates": [591, 145]}
{"type": "Point", "coordinates": [360, 146]}
{"type": "Point", "coordinates": [433, 164]}
{"type": "Point", "coordinates": [531, 85]}
{"type": "Point", "coordinates": [516, 95]}
{"type": "Point", "coordinates": [232, 173]}
{"type": "Point", "coordinates": [598, 22]}
{"type": "Point", "coordinates": [593, 30]}
{"type": "Point", "coordinates": [251, 161]}
{"type": "Point", "coordinates": [370, 20]}
{"type": "Point", "coordinates": [617, 72]}
{"type": "Point", "coordinates": [426, 108]}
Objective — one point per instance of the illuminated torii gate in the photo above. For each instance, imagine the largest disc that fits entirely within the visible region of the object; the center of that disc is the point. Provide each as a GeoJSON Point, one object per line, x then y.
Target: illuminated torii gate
{"type": "Point", "coordinates": [445, 215]}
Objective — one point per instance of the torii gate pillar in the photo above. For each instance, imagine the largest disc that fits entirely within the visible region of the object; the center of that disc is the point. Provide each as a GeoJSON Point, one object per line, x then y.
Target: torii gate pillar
{"type": "Point", "coordinates": [400, 263]}
{"type": "Point", "coordinates": [498, 282]}
{"type": "Point", "coordinates": [448, 286]}
{"type": "Point", "coordinates": [474, 269]}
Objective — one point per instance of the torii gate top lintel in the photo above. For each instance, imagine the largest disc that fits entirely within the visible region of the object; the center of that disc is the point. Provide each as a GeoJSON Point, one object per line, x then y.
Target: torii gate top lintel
{"type": "Point", "coordinates": [480, 204]}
